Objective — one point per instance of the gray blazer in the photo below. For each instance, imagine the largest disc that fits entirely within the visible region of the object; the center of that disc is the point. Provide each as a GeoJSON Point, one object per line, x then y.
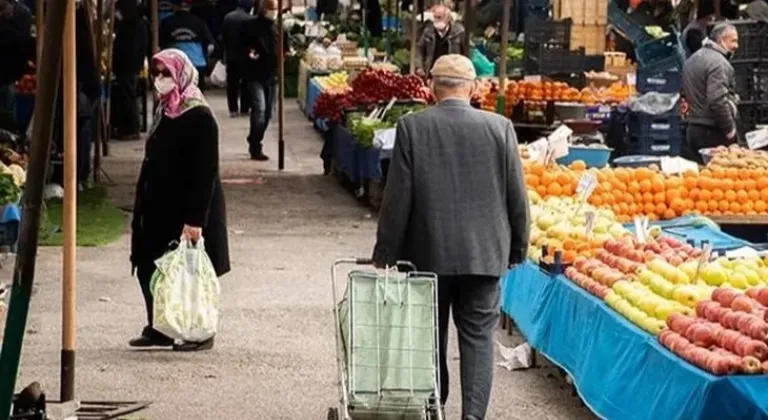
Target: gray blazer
{"type": "Point", "coordinates": [455, 201]}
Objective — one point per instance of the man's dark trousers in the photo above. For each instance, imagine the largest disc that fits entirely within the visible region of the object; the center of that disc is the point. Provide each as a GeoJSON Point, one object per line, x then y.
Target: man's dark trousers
{"type": "Point", "coordinates": [262, 96]}
{"type": "Point", "coordinates": [474, 301]}
{"type": "Point", "coordinates": [127, 110]}
{"type": "Point", "coordinates": [236, 88]}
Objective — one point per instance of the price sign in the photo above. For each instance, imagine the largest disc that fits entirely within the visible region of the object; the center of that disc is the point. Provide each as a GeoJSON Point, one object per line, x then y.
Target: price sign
{"type": "Point", "coordinates": [538, 150]}
{"type": "Point", "coordinates": [558, 141]}
{"type": "Point", "coordinates": [586, 186]}
{"type": "Point", "coordinates": [641, 228]}
{"type": "Point", "coordinates": [757, 139]}
{"type": "Point", "coordinates": [590, 215]}
{"type": "Point", "coordinates": [705, 255]}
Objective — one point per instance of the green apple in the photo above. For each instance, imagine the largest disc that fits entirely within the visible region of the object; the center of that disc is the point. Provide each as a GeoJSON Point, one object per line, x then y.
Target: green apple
{"type": "Point", "coordinates": [686, 295]}
{"type": "Point", "coordinates": [714, 274]}
{"type": "Point", "coordinates": [689, 268]}
{"type": "Point", "coordinates": [545, 221]}
{"type": "Point", "coordinates": [724, 262]}
{"type": "Point", "coordinates": [752, 277]}
{"type": "Point", "coordinates": [664, 310]}
{"type": "Point", "coordinates": [622, 287]}
{"type": "Point", "coordinates": [662, 287]}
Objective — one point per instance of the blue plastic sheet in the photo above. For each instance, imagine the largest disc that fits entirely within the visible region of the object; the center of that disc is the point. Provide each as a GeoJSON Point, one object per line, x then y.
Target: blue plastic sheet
{"type": "Point", "coordinates": [690, 228]}
{"type": "Point", "coordinates": [356, 162]}
{"type": "Point", "coordinates": [10, 213]}
{"type": "Point", "coordinates": [621, 371]}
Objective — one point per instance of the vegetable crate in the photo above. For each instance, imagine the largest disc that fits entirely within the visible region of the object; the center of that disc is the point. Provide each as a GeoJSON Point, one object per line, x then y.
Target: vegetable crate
{"type": "Point", "coordinates": [662, 54]}
{"type": "Point", "coordinates": [624, 24]}
{"type": "Point", "coordinates": [753, 40]}
{"type": "Point", "coordinates": [650, 79]}
{"type": "Point", "coordinates": [591, 37]}
{"type": "Point", "coordinates": [546, 59]}
{"type": "Point", "coordinates": [655, 134]}
{"type": "Point", "coordinates": [581, 12]}
{"type": "Point", "coordinates": [540, 31]}
{"type": "Point", "coordinates": [752, 81]}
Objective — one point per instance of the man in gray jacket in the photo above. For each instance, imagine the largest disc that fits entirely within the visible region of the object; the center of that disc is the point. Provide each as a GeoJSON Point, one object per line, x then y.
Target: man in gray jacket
{"type": "Point", "coordinates": [443, 36]}
{"type": "Point", "coordinates": [456, 204]}
{"type": "Point", "coordinates": [708, 86]}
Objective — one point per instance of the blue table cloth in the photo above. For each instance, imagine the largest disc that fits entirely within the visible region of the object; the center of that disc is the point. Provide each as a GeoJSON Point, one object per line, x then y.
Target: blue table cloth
{"type": "Point", "coordinates": [690, 228]}
{"type": "Point", "coordinates": [621, 371]}
{"type": "Point", "coordinates": [356, 162]}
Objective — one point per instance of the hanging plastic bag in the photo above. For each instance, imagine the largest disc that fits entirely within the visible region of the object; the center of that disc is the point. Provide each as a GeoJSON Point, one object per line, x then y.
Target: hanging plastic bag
{"type": "Point", "coordinates": [483, 66]}
{"type": "Point", "coordinates": [186, 294]}
{"type": "Point", "coordinates": [219, 74]}
{"type": "Point", "coordinates": [653, 103]}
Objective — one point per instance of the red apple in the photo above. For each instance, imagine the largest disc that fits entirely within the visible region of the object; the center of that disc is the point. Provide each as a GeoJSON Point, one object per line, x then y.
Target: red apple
{"type": "Point", "coordinates": [724, 296]}
{"type": "Point", "coordinates": [730, 319]}
{"type": "Point", "coordinates": [716, 314]}
{"type": "Point", "coordinates": [742, 304]}
{"type": "Point", "coordinates": [752, 292]}
{"type": "Point", "coordinates": [745, 321]}
{"type": "Point", "coordinates": [700, 334]}
{"type": "Point", "coordinates": [762, 296]}
{"type": "Point", "coordinates": [704, 305]}
{"type": "Point", "coordinates": [757, 349]}
{"type": "Point", "coordinates": [680, 323]}
{"type": "Point", "coordinates": [728, 339]}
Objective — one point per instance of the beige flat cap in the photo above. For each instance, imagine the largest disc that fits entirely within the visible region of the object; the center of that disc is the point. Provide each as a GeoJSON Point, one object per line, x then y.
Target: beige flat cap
{"type": "Point", "coordinates": [455, 66]}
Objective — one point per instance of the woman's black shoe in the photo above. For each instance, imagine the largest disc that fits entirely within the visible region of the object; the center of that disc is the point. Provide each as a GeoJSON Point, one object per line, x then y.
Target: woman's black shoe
{"type": "Point", "coordinates": [191, 346]}
{"type": "Point", "coordinates": [151, 338]}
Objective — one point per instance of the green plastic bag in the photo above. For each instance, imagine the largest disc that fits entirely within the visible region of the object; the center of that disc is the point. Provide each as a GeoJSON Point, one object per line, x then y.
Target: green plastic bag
{"type": "Point", "coordinates": [186, 294]}
{"type": "Point", "coordinates": [483, 66]}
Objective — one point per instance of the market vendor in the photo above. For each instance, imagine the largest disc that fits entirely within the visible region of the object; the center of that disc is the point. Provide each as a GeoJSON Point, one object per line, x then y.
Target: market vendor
{"type": "Point", "coordinates": [696, 31]}
{"type": "Point", "coordinates": [708, 86]}
{"type": "Point", "coordinates": [440, 37]}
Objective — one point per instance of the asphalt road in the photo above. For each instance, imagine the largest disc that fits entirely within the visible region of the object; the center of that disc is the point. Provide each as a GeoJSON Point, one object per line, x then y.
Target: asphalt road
{"type": "Point", "coordinates": [274, 356]}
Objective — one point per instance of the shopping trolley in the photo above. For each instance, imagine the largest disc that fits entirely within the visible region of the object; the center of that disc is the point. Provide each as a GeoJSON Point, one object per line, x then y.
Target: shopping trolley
{"type": "Point", "coordinates": [386, 344]}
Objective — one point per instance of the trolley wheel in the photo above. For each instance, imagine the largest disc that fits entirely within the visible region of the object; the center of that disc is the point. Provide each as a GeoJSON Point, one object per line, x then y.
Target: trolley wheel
{"type": "Point", "coordinates": [333, 413]}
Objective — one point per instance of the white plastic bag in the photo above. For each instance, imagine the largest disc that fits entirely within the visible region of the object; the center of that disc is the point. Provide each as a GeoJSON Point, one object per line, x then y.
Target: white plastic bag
{"type": "Point", "coordinates": [219, 75]}
{"type": "Point", "coordinates": [186, 293]}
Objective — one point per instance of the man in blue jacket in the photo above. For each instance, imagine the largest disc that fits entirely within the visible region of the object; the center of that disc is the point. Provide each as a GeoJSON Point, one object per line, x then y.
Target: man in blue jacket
{"type": "Point", "coordinates": [187, 32]}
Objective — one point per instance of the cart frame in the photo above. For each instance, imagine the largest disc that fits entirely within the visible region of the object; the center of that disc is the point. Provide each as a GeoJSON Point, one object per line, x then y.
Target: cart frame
{"type": "Point", "coordinates": [432, 410]}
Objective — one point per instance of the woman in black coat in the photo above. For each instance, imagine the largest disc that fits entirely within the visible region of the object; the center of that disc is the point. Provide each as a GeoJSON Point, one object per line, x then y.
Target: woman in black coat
{"type": "Point", "coordinates": [179, 191]}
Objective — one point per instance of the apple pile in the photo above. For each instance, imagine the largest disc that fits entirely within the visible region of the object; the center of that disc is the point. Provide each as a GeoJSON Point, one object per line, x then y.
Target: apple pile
{"type": "Point", "coordinates": [642, 306]}
{"type": "Point", "coordinates": [728, 335]}
{"type": "Point", "coordinates": [665, 248]}
{"type": "Point", "coordinates": [593, 276]}
{"type": "Point", "coordinates": [741, 273]}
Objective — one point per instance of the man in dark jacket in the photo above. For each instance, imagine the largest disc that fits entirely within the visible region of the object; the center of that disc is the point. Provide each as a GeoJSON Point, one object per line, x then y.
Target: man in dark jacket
{"type": "Point", "coordinates": [443, 36]}
{"type": "Point", "coordinates": [708, 86]}
{"type": "Point", "coordinates": [456, 205]}
{"type": "Point", "coordinates": [188, 33]}
{"type": "Point", "coordinates": [17, 48]}
{"type": "Point", "coordinates": [236, 57]}
{"type": "Point", "coordinates": [130, 50]}
{"type": "Point", "coordinates": [696, 32]}
{"type": "Point", "coordinates": [260, 38]}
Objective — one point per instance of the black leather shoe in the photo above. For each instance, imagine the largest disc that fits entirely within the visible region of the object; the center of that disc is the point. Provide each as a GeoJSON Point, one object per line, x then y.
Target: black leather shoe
{"type": "Point", "coordinates": [190, 346]}
{"type": "Point", "coordinates": [151, 338]}
{"type": "Point", "coordinates": [260, 156]}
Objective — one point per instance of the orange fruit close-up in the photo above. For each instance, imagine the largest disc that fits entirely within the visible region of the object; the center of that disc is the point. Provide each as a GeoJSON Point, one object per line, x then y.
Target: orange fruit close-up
{"type": "Point", "coordinates": [753, 195]}
{"type": "Point", "coordinates": [730, 195]}
{"type": "Point", "coordinates": [690, 183]}
{"type": "Point", "coordinates": [693, 194]}
{"type": "Point", "coordinates": [760, 206]}
{"type": "Point", "coordinates": [713, 205]}
{"type": "Point", "coordinates": [718, 195]}
{"type": "Point", "coordinates": [735, 207]}
{"type": "Point", "coordinates": [657, 184]}
{"type": "Point", "coordinates": [761, 183]}
{"type": "Point", "coordinates": [645, 185]}
{"type": "Point", "coordinates": [532, 180]}
{"type": "Point", "coordinates": [705, 195]}
{"type": "Point", "coordinates": [554, 189]}
{"type": "Point", "coordinates": [724, 206]}
{"type": "Point", "coordinates": [669, 214]}
{"type": "Point", "coordinates": [701, 206]}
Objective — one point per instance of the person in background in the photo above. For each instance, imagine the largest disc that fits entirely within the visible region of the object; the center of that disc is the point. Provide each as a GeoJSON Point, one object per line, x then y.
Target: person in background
{"type": "Point", "coordinates": [17, 49]}
{"type": "Point", "coordinates": [457, 208]}
{"type": "Point", "coordinates": [696, 31]}
{"type": "Point", "coordinates": [164, 9]}
{"type": "Point", "coordinates": [443, 36]}
{"type": "Point", "coordinates": [190, 34]}
{"type": "Point", "coordinates": [130, 50]}
{"type": "Point", "coordinates": [260, 38]}
{"type": "Point", "coordinates": [708, 86]}
{"type": "Point", "coordinates": [179, 192]}
{"type": "Point", "coordinates": [757, 10]}
{"type": "Point", "coordinates": [236, 57]}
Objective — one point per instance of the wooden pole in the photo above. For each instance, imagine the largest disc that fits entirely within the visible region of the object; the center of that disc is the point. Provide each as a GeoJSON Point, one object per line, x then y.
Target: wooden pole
{"type": "Point", "coordinates": [501, 99]}
{"type": "Point", "coordinates": [39, 27]}
{"type": "Point", "coordinates": [414, 38]}
{"type": "Point", "coordinates": [70, 205]}
{"type": "Point", "coordinates": [281, 88]}
{"type": "Point", "coordinates": [103, 78]}
{"type": "Point", "coordinates": [107, 118]}
{"type": "Point", "coordinates": [155, 21]}
{"type": "Point", "coordinates": [48, 71]}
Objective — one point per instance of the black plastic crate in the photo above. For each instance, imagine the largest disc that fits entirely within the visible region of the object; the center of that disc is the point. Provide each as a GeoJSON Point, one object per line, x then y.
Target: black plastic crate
{"type": "Point", "coordinates": [649, 79]}
{"type": "Point", "coordinates": [547, 59]}
{"type": "Point", "coordinates": [624, 24]}
{"type": "Point", "coordinates": [751, 115]}
{"type": "Point", "coordinates": [751, 81]}
{"type": "Point", "coordinates": [753, 40]}
{"type": "Point", "coordinates": [655, 145]}
{"type": "Point", "coordinates": [661, 54]}
{"type": "Point", "coordinates": [542, 31]}
{"type": "Point", "coordinates": [594, 63]}
{"type": "Point", "coordinates": [666, 124]}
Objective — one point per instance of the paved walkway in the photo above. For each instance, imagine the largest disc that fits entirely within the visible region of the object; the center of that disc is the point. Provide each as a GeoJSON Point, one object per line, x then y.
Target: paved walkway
{"type": "Point", "coordinates": [274, 358]}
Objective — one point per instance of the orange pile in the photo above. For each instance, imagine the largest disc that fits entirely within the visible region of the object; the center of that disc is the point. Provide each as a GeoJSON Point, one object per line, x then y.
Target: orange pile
{"type": "Point", "coordinates": [646, 191]}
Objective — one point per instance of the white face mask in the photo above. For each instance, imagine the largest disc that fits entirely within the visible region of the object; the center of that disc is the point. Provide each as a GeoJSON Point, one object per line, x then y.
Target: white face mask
{"type": "Point", "coordinates": [164, 85]}
{"type": "Point", "coordinates": [271, 14]}
{"type": "Point", "coordinates": [441, 26]}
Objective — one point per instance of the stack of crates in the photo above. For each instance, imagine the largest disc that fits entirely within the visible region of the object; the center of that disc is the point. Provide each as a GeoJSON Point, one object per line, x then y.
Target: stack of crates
{"type": "Point", "coordinates": [590, 18]}
{"type": "Point", "coordinates": [750, 64]}
{"type": "Point", "coordinates": [549, 50]}
{"type": "Point", "coordinates": [659, 69]}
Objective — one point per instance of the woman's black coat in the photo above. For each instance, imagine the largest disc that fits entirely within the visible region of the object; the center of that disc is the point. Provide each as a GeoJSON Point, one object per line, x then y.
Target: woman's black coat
{"type": "Point", "coordinates": [180, 184]}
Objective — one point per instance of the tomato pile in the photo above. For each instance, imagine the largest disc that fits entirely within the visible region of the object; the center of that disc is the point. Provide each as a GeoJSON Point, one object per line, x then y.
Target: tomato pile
{"type": "Point", "coordinates": [27, 85]}
{"type": "Point", "coordinates": [371, 86]}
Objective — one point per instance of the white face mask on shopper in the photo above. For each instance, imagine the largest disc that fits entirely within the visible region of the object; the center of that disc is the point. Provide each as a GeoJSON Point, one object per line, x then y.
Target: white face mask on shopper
{"type": "Point", "coordinates": [271, 14]}
{"type": "Point", "coordinates": [164, 85]}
